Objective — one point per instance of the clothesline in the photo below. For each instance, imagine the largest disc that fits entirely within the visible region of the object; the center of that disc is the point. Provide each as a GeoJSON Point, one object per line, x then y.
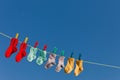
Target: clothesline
{"type": "Point", "coordinates": [89, 62]}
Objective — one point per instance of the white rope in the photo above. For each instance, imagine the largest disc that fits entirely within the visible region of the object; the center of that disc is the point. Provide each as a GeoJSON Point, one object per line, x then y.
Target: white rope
{"type": "Point", "coordinates": [5, 35]}
{"type": "Point", "coordinates": [94, 63]}
{"type": "Point", "coordinates": [100, 64]}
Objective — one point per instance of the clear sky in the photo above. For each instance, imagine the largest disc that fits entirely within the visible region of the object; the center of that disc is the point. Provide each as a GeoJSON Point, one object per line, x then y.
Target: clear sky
{"type": "Point", "coordinates": [91, 27]}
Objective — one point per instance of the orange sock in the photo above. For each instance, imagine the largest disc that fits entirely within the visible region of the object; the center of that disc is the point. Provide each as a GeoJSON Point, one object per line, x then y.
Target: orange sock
{"type": "Point", "coordinates": [70, 65]}
{"type": "Point", "coordinates": [79, 67]}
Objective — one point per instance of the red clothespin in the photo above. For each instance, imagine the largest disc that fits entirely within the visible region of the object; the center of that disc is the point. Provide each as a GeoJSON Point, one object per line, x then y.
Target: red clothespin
{"type": "Point", "coordinates": [45, 47]}
{"type": "Point", "coordinates": [22, 51]}
{"type": "Point", "coordinates": [36, 44]}
{"type": "Point", "coordinates": [12, 47]}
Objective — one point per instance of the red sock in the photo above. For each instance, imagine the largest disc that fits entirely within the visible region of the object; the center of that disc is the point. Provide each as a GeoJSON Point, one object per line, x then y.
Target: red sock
{"type": "Point", "coordinates": [22, 52]}
{"type": "Point", "coordinates": [12, 48]}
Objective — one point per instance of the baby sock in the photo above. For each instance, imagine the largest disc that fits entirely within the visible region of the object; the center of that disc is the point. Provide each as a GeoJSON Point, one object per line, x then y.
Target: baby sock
{"type": "Point", "coordinates": [51, 61]}
{"type": "Point", "coordinates": [60, 64]}
{"type": "Point", "coordinates": [41, 58]}
{"type": "Point", "coordinates": [12, 48]}
{"type": "Point", "coordinates": [70, 65]}
{"type": "Point", "coordinates": [44, 56]}
{"type": "Point", "coordinates": [32, 55]}
{"type": "Point", "coordinates": [22, 52]}
{"type": "Point", "coordinates": [79, 67]}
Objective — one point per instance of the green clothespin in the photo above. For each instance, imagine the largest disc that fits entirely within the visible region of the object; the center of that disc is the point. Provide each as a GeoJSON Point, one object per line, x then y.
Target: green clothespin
{"type": "Point", "coordinates": [55, 50]}
{"type": "Point", "coordinates": [62, 53]}
{"type": "Point", "coordinates": [80, 55]}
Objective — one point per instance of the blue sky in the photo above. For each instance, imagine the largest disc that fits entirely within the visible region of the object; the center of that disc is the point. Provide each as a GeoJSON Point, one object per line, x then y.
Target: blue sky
{"type": "Point", "coordinates": [90, 27]}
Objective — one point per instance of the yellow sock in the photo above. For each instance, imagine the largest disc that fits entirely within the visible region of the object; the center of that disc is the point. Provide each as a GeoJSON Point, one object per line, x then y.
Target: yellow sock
{"type": "Point", "coordinates": [70, 65]}
{"type": "Point", "coordinates": [79, 67]}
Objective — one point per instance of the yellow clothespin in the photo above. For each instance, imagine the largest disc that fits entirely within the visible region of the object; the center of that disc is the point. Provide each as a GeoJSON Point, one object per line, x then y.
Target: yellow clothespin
{"type": "Point", "coordinates": [17, 34]}
{"type": "Point", "coordinates": [26, 39]}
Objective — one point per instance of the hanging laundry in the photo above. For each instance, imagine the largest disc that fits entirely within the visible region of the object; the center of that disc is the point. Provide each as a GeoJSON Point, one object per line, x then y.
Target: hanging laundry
{"type": "Point", "coordinates": [42, 57]}
{"type": "Point", "coordinates": [51, 61]}
{"type": "Point", "coordinates": [60, 62]}
{"type": "Point", "coordinates": [22, 51]}
{"type": "Point", "coordinates": [33, 51]}
{"type": "Point", "coordinates": [79, 66]}
{"type": "Point", "coordinates": [70, 65]}
{"type": "Point", "coordinates": [12, 47]}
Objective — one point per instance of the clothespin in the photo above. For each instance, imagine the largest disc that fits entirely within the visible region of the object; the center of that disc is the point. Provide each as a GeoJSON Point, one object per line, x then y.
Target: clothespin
{"type": "Point", "coordinates": [45, 47]}
{"type": "Point", "coordinates": [17, 35]}
{"type": "Point", "coordinates": [36, 44]}
{"type": "Point", "coordinates": [80, 55]}
{"type": "Point", "coordinates": [55, 50]}
{"type": "Point", "coordinates": [71, 55]}
{"type": "Point", "coordinates": [62, 53]}
{"type": "Point", "coordinates": [26, 40]}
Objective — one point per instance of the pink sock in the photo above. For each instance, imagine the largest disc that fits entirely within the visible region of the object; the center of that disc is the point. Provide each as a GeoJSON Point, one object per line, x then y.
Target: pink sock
{"type": "Point", "coordinates": [51, 61]}
{"type": "Point", "coordinates": [60, 64]}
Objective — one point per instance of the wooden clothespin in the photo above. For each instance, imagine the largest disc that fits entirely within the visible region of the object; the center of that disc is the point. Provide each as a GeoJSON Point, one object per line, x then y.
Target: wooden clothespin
{"type": "Point", "coordinates": [17, 35]}
{"type": "Point", "coordinates": [26, 40]}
